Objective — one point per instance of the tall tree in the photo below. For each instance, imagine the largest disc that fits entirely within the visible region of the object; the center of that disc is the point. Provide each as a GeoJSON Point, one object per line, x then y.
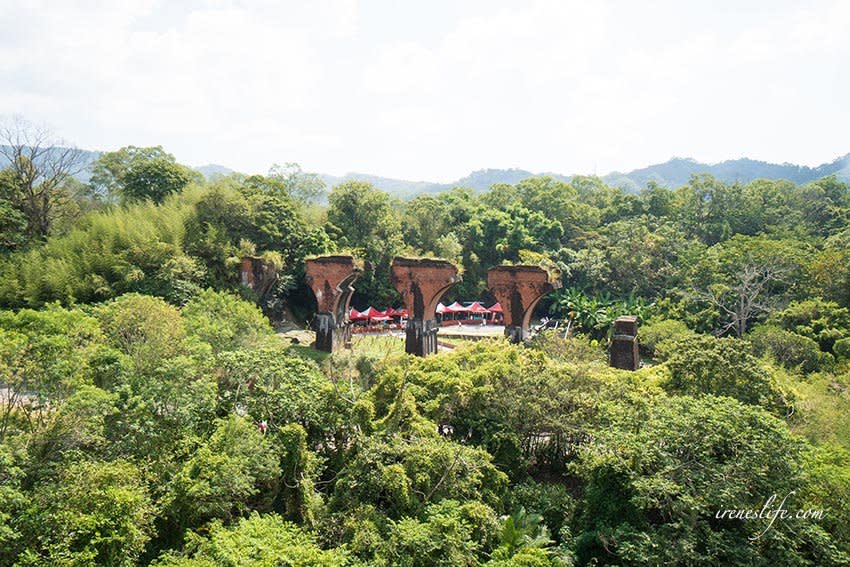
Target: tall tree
{"type": "Point", "coordinates": [364, 219]}
{"type": "Point", "coordinates": [139, 174]}
{"type": "Point", "coordinates": [40, 167]}
{"type": "Point", "coordinates": [301, 186]}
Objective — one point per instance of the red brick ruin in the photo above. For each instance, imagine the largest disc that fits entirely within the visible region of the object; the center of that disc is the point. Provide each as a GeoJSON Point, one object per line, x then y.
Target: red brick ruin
{"type": "Point", "coordinates": [330, 278]}
{"type": "Point", "coordinates": [258, 275]}
{"type": "Point", "coordinates": [623, 352]}
{"type": "Point", "coordinates": [518, 289]}
{"type": "Point", "coordinates": [422, 283]}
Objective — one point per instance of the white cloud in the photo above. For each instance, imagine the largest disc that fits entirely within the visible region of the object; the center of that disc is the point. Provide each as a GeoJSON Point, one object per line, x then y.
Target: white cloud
{"type": "Point", "coordinates": [432, 94]}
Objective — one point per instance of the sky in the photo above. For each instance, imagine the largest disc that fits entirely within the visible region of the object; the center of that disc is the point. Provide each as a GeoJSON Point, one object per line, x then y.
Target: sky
{"type": "Point", "coordinates": [434, 90]}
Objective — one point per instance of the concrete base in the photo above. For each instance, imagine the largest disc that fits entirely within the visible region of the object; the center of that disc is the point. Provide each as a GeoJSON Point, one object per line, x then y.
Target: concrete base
{"type": "Point", "coordinates": [421, 337]}
{"type": "Point", "coordinates": [624, 353]}
{"type": "Point", "coordinates": [330, 336]}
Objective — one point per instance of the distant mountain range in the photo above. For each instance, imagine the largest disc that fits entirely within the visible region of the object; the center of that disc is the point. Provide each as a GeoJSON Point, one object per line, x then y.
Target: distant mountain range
{"type": "Point", "coordinates": [672, 173]}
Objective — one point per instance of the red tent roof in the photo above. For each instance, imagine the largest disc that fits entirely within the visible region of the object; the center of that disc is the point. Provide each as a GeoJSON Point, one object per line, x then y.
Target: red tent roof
{"type": "Point", "coordinates": [440, 308]}
{"type": "Point", "coordinates": [400, 312]}
{"type": "Point", "coordinates": [496, 308]}
{"type": "Point", "coordinates": [476, 307]}
{"type": "Point", "coordinates": [372, 313]}
{"type": "Point", "coordinates": [456, 308]}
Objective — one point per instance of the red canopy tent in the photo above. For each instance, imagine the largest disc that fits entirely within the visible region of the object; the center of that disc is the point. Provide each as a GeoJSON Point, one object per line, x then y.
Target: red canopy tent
{"type": "Point", "coordinates": [476, 307]}
{"type": "Point", "coordinates": [355, 315]}
{"type": "Point", "coordinates": [374, 315]}
{"type": "Point", "coordinates": [456, 308]}
{"type": "Point", "coordinates": [440, 308]}
{"type": "Point", "coordinates": [496, 308]}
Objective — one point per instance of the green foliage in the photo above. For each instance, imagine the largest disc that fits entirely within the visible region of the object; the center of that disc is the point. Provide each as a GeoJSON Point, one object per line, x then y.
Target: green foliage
{"type": "Point", "coordinates": [655, 483]}
{"type": "Point", "coordinates": [552, 502]}
{"type": "Point", "coordinates": [139, 174]}
{"type": "Point", "coordinates": [13, 500]}
{"type": "Point", "coordinates": [134, 249]}
{"type": "Point", "coordinates": [363, 218]}
{"type": "Point", "coordinates": [822, 321]}
{"type": "Point", "coordinates": [841, 348]}
{"type": "Point", "coordinates": [789, 349]}
{"type": "Point", "coordinates": [827, 487]}
{"type": "Point", "coordinates": [239, 216]}
{"type": "Point", "coordinates": [256, 541]}
{"type": "Point", "coordinates": [300, 186]}
{"type": "Point", "coordinates": [155, 180]}
{"type": "Point", "coordinates": [13, 222]}
{"type": "Point", "coordinates": [224, 321]}
{"type": "Point", "coordinates": [401, 476]}
{"type": "Point", "coordinates": [274, 387]}
{"type": "Point", "coordinates": [475, 391]}
{"type": "Point", "coordinates": [521, 531]}
{"type": "Point", "coordinates": [236, 470]}
{"type": "Point", "coordinates": [45, 356]}
{"type": "Point", "coordinates": [451, 533]}
{"type": "Point", "coordinates": [821, 408]}
{"type": "Point", "coordinates": [721, 367]}
{"type": "Point", "coordinates": [591, 314]}
{"type": "Point", "coordinates": [656, 332]}
{"type": "Point", "coordinates": [167, 424]}
{"type": "Point", "coordinates": [145, 328]}
{"type": "Point", "coordinates": [94, 513]}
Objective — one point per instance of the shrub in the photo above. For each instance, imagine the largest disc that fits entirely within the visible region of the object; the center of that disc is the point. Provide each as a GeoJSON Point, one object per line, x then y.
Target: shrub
{"type": "Point", "coordinates": [722, 367]}
{"type": "Point", "coordinates": [822, 321]}
{"type": "Point", "coordinates": [146, 328]}
{"type": "Point", "coordinates": [841, 348]}
{"type": "Point", "coordinates": [224, 321]}
{"type": "Point", "coordinates": [789, 349]}
{"type": "Point", "coordinates": [255, 540]}
{"type": "Point", "coordinates": [657, 331]}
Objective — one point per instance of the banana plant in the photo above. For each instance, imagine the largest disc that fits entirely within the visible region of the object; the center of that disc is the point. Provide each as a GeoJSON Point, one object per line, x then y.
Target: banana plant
{"type": "Point", "coordinates": [594, 314]}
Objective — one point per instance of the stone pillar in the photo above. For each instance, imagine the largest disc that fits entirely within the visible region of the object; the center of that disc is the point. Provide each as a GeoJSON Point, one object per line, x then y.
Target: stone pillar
{"type": "Point", "coordinates": [518, 289]}
{"type": "Point", "coordinates": [623, 352]}
{"type": "Point", "coordinates": [422, 283]}
{"type": "Point", "coordinates": [330, 278]}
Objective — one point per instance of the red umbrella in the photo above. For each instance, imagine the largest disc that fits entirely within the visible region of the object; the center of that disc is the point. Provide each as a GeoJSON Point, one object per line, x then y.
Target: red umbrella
{"type": "Point", "coordinates": [496, 308]}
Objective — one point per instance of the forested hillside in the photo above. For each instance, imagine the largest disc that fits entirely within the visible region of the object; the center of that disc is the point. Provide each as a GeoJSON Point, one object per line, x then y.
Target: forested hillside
{"type": "Point", "coordinates": [151, 415]}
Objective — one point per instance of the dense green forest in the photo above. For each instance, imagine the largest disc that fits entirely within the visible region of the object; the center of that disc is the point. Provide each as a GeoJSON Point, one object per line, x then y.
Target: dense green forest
{"type": "Point", "coordinates": [150, 414]}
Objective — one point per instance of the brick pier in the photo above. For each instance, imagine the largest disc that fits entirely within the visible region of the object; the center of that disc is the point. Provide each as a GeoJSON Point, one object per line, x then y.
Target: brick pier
{"type": "Point", "coordinates": [623, 352]}
{"type": "Point", "coordinates": [422, 283]}
{"type": "Point", "coordinates": [330, 278]}
{"type": "Point", "coordinates": [518, 289]}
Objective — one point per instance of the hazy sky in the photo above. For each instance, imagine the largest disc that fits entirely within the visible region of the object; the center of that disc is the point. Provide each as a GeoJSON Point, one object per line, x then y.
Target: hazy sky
{"type": "Point", "coordinates": [433, 90]}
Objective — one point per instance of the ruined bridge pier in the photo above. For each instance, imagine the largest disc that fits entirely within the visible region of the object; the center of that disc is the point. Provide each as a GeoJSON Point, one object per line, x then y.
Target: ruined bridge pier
{"type": "Point", "coordinates": [330, 278]}
{"type": "Point", "coordinates": [422, 283]}
{"type": "Point", "coordinates": [623, 352]}
{"type": "Point", "coordinates": [519, 289]}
